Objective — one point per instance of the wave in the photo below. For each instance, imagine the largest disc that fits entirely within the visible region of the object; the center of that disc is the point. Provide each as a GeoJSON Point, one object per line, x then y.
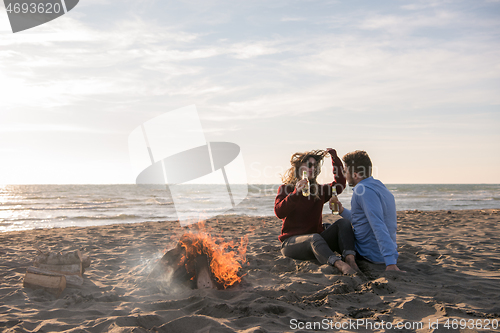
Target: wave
{"type": "Point", "coordinates": [103, 217]}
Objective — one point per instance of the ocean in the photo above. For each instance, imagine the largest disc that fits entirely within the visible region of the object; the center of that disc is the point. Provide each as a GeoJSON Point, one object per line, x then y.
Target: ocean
{"type": "Point", "coordinates": [25, 207]}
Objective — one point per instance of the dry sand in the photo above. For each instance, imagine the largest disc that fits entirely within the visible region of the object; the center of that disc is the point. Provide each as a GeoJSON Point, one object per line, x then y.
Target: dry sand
{"type": "Point", "coordinates": [452, 262]}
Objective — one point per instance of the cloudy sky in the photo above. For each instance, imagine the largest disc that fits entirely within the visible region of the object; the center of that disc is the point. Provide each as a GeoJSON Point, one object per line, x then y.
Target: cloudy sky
{"type": "Point", "coordinates": [414, 83]}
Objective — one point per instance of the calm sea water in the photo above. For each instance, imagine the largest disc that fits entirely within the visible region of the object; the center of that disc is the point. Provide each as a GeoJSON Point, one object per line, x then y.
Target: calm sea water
{"type": "Point", "coordinates": [24, 207]}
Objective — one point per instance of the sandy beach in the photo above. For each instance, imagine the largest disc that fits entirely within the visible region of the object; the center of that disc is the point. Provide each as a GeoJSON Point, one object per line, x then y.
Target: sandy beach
{"type": "Point", "coordinates": [451, 259]}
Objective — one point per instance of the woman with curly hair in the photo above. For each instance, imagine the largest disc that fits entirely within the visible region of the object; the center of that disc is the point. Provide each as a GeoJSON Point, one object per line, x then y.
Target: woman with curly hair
{"type": "Point", "coordinates": [302, 234]}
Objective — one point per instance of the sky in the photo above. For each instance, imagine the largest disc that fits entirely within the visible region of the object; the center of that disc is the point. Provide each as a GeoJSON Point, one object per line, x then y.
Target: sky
{"type": "Point", "coordinates": [414, 83]}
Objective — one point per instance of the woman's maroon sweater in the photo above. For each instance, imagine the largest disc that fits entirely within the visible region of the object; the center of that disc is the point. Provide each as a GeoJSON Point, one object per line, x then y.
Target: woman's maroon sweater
{"type": "Point", "coordinates": [303, 215]}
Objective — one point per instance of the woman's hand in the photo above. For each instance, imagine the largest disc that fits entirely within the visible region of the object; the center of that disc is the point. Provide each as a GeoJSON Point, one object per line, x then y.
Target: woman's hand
{"type": "Point", "coordinates": [332, 152]}
{"type": "Point", "coordinates": [301, 184]}
{"type": "Point", "coordinates": [335, 199]}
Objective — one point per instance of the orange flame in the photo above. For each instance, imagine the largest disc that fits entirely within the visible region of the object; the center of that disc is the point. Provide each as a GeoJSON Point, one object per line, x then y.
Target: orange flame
{"type": "Point", "coordinates": [225, 258]}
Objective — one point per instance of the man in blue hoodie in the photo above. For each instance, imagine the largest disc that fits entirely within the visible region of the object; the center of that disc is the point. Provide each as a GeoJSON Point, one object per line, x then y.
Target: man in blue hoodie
{"type": "Point", "coordinates": [372, 214]}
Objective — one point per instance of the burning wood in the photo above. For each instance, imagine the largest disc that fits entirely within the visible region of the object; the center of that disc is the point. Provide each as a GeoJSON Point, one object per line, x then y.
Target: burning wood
{"type": "Point", "coordinates": [203, 261]}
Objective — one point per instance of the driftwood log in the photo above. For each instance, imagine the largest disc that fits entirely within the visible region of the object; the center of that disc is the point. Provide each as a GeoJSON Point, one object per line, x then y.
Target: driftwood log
{"type": "Point", "coordinates": [173, 264]}
{"type": "Point", "coordinates": [52, 282]}
{"type": "Point", "coordinates": [70, 269]}
{"type": "Point", "coordinates": [53, 271]}
{"type": "Point", "coordinates": [64, 262]}
{"type": "Point", "coordinates": [71, 280]}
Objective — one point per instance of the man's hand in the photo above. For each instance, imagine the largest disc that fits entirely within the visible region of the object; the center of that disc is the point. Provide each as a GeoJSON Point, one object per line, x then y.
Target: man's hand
{"type": "Point", "coordinates": [335, 199]}
{"type": "Point", "coordinates": [393, 268]}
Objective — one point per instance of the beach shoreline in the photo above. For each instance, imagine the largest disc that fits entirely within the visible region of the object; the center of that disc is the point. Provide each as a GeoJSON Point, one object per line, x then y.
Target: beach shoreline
{"type": "Point", "coordinates": [451, 261]}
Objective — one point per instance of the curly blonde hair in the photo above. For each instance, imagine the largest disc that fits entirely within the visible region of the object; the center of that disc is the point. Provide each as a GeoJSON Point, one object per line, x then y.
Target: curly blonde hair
{"type": "Point", "coordinates": [291, 176]}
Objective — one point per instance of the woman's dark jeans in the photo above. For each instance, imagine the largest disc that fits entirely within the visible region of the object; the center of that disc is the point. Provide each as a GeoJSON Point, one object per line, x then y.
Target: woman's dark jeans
{"type": "Point", "coordinates": [339, 237]}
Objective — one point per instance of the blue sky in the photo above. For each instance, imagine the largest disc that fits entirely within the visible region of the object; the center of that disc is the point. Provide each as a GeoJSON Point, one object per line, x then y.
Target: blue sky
{"type": "Point", "coordinates": [414, 83]}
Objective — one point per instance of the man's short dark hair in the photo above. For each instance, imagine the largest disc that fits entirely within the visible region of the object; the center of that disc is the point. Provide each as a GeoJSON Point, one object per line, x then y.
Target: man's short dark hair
{"type": "Point", "coordinates": [358, 161]}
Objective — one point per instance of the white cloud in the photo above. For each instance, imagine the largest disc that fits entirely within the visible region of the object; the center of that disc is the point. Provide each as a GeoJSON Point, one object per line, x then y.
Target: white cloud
{"type": "Point", "coordinates": [360, 75]}
{"type": "Point", "coordinates": [419, 5]}
{"type": "Point", "coordinates": [404, 24]}
{"type": "Point", "coordinates": [49, 63]}
{"type": "Point", "coordinates": [39, 127]}
{"type": "Point", "coordinates": [252, 49]}
{"type": "Point", "coordinates": [293, 19]}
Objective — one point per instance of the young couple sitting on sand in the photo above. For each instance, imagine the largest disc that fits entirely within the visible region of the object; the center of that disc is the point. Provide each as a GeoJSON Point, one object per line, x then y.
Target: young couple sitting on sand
{"type": "Point", "coordinates": [367, 231]}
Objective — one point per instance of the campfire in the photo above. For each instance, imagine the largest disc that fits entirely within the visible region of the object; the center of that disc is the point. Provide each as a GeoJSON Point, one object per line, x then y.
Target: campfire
{"type": "Point", "coordinates": [202, 261]}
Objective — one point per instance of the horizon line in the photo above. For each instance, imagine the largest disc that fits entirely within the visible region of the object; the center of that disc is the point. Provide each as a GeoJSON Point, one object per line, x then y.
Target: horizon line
{"type": "Point", "coordinates": [94, 184]}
